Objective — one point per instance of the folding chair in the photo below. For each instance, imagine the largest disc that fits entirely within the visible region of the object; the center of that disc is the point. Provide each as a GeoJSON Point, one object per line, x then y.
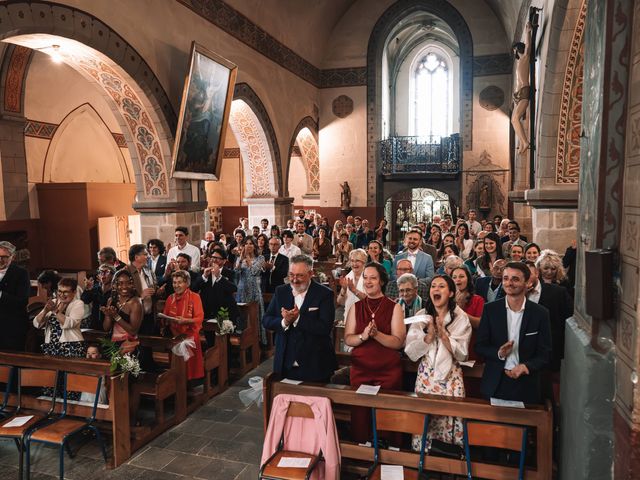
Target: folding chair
{"type": "Point", "coordinates": [496, 435]}
{"type": "Point", "coordinates": [403, 422]}
{"type": "Point", "coordinates": [270, 469]}
{"type": "Point", "coordinates": [60, 430]}
{"type": "Point", "coordinates": [28, 377]}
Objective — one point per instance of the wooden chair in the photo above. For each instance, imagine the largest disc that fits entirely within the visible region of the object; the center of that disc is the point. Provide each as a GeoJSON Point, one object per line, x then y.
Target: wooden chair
{"type": "Point", "coordinates": [247, 343]}
{"type": "Point", "coordinates": [6, 377]}
{"type": "Point", "coordinates": [497, 435]}
{"type": "Point", "coordinates": [270, 469]}
{"type": "Point", "coordinates": [29, 377]}
{"type": "Point", "coordinates": [59, 430]}
{"type": "Point", "coordinates": [398, 421]}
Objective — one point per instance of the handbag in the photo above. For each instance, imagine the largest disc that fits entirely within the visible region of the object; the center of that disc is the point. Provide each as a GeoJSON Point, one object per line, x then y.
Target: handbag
{"type": "Point", "coordinates": [443, 449]}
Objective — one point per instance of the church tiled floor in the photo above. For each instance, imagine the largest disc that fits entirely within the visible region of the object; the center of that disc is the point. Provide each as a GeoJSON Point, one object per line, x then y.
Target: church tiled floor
{"type": "Point", "coordinates": [222, 440]}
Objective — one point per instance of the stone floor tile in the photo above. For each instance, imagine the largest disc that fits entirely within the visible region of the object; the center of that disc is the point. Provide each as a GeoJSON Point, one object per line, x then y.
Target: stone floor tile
{"type": "Point", "coordinates": [188, 444]}
{"type": "Point", "coordinates": [219, 469]}
{"type": "Point", "coordinates": [249, 473]}
{"type": "Point", "coordinates": [154, 458]}
{"type": "Point", "coordinates": [251, 435]}
{"type": "Point", "coordinates": [186, 464]}
{"type": "Point", "coordinates": [223, 430]}
{"type": "Point", "coordinates": [235, 451]}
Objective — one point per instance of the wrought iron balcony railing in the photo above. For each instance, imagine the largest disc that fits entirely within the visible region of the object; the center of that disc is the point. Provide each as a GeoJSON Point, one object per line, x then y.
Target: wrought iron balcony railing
{"type": "Point", "coordinates": [420, 154]}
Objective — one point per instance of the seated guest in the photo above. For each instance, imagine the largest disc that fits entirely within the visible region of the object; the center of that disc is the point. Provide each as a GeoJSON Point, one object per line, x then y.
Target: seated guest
{"type": "Point", "coordinates": [97, 294]}
{"type": "Point", "coordinates": [343, 248]}
{"type": "Point", "coordinates": [48, 282]}
{"type": "Point", "coordinates": [288, 249]}
{"type": "Point", "coordinates": [275, 268]}
{"type": "Point", "coordinates": [93, 353]}
{"type": "Point", "coordinates": [478, 251]}
{"type": "Point", "coordinates": [516, 253]}
{"type": "Point", "coordinates": [14, 297]}
{"type": "Point", "coordinates": [157, 260]}
{"type": "Point", "coordinates": [531, 252]}
{"type": "Point", "coordinates": [440, 344]}
{"type": "Point", "coordinates": [377, 254]}
{"type": "Point", "coordinates": [302, 315]}
{"type": "Point", "coordinates": [218, 291]}
{"type": "Point", "coordinates": [180, 264]}
{"type": "Point", "coordinates": [514, 338]}
{"type": "Point", "coordinates": [408, 297]}
{"type": "Point", "coordinates": [185, 307]}
{"type": "Point", "coordinates": [490, 288]}
{"type": "Point", "coordinates": [303, 240]}
{"type": "Point", "coordinates": [471, 303]}
{"type": "Point", "coordinates": [353, 283]}
{"type": "Point", "coordinates": [492, 252]}
{"type": "Point", "coordinates": [375, 329]}
{"type": "Point", "coordinates": [108, 255]}
{"type": "Point", "coordinates": [322, 247]}
{"type": "Point", "coordinates": [183, 246]}
{"type": "Point", "coordinates": [61, 318]}
{"type": "Point", "coordinates": [422, 262]}
{"type": "Point", "coordinates": [402, 267]}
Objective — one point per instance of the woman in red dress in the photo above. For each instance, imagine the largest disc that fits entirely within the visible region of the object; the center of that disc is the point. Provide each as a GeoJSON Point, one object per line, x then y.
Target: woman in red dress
{"type": "Point", "coordinates": [375, 329]}
{"type": "Point", "coordinates": [186, 307]}
{"type": "Point", "coordinates": [470, 302]}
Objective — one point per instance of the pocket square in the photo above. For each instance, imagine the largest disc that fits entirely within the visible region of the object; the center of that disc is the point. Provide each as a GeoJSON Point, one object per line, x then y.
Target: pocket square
{"type": "Point", "coordinates": [313, 309]}
{"type": "Point", "coordinates": [532, 333]}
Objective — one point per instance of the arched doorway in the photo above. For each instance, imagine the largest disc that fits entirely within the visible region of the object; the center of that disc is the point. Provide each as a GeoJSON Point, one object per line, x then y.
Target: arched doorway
{"type": "Point", "coordinates": [304, 162]}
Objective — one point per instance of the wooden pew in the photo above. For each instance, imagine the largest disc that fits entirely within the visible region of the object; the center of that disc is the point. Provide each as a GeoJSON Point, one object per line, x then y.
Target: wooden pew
{"type": "Point", "coordinates": [246, 344]}
{"type": "Point", "coordinates": [215, 364]}
{"type": "Point", "coordinates": [533, 416]}
{"type": "Point", "coordinates": [117, 413]}
{"type": "Point", "coordinates": [269, 349]}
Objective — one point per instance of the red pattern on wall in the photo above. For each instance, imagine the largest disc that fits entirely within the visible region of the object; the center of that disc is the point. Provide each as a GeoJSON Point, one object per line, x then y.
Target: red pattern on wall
{"type": "Point", "coordinates": [570, 125]}
{"type": "Point", "coordinates": [15, 78]}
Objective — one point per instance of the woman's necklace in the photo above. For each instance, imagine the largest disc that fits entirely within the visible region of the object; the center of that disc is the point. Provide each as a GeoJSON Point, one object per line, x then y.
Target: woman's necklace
{"type": "Point", "coordinates": [122, 304]}
{"type": "Point", "coordinates": [373, 314]}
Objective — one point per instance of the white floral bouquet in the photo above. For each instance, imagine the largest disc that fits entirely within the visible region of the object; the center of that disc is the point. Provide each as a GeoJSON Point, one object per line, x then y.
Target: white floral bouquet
{"type": "Point", "coordinates": [225, 326]}
{"type": "Point", "coordinates": [120, 362]}
{"type": "Point", "coordinates": [322, 277]}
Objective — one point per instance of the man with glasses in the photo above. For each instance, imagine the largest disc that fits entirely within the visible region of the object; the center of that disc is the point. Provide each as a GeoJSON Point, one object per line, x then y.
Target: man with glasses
{"type": "Point", "coordinates": [302, 314]}
{"type": "Point", "coordinates": [404, 266]}
{"type": "Point", "coordinates": [275, 267]}
{"type": "Point", "coordinates": [217, 291]}
{"type": "Point", "coordinates": [14, 296]}
{"type": "Point", "coordinates": [96, 294]}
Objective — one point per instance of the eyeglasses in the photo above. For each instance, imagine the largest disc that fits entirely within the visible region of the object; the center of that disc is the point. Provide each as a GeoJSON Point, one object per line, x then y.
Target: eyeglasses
{"type": "Point", "coordinates": [406, 290]}
{"type": "Point", "coordinates": [300, 276]}
{"type": "Point", "coordinates": [105, 272]}
{"type": "Point", "coordinates": [64, 292]}
{"type": "Point", "coordinates": [217, 258]}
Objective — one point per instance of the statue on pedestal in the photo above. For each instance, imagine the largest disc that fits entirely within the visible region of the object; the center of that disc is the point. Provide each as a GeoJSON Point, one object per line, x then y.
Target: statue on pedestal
{"type": "Point", "coordinates": [522, 52]}
{"type": "Point", "coordinates": [345, 196]}
{"type": "Point", "coordinates": [484, 197]}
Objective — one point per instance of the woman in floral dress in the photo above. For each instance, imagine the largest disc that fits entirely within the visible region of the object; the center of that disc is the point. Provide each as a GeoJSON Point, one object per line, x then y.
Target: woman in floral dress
{"type": "Point", "coordinates": [248, 268]}
{"type": "Point", "coordinates": [440, 344]}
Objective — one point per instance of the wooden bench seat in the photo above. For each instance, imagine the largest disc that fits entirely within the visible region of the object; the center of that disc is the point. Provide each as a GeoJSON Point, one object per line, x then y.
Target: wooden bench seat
{"type": "Point", "coordinates": [246, 345]}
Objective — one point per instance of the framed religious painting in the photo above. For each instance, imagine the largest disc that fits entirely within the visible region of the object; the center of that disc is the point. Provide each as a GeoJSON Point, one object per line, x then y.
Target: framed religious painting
{"type": "Point", "coordinates": [204, 116]}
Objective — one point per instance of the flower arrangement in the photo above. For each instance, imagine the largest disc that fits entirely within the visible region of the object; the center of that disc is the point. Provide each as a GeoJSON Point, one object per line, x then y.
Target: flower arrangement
{"type": "Point", "coordinates": [225, 325]}
{"type": "Point", "coordinates": [322, 277]}
{"type": "Point", "coordinates": [120, 362]}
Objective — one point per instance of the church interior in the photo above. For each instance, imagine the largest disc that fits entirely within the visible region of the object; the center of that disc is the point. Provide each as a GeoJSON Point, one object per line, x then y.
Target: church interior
{"type": "Point", "coordinates": [203, 130]}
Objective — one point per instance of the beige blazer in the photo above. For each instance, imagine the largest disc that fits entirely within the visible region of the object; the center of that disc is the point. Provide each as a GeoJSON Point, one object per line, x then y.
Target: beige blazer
{"type": "Point", "coordinates": [71, 329]}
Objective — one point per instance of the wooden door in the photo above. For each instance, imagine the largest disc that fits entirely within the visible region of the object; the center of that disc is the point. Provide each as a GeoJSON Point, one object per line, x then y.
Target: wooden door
{"type": "Point", "coordinates": [114, 232]}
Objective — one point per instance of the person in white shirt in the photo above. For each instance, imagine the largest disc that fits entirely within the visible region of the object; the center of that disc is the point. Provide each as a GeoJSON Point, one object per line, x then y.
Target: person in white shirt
{"type": "Point", "coordinates": [264, 227]}
{"type": "Point", "coordinates": [182, 246]}
{"type": "Point", "coordinates": [208, 237]}
{"type": "Point", "coordinates": [288, 249]}
{"type": "Point", "coordinates": [473, 224]}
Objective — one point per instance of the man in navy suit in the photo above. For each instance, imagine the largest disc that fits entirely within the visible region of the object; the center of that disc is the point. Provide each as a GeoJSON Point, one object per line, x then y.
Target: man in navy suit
{"type": "Point", "coordinates": [275, 268]}
{"type": "Point", "coordinates": [421, 261]}
{"type": "Point", "coordinates": [490, 288]}
{"type": "Point", "coordinates": [514, 337]}
{"type": "Point", "coordinates": [302, 315]}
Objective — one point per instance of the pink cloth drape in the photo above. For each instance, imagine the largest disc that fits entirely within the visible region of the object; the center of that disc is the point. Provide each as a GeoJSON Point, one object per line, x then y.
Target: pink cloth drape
{"type": "Point", "coordinates": [305, 434]}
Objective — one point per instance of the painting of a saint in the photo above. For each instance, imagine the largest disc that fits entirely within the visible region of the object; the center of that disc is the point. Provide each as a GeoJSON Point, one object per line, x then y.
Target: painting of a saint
{"type": "Point", "coordinates": [204, 115]}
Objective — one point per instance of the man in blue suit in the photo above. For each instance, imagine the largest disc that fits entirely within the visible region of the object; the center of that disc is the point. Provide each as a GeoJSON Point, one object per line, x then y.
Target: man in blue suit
{"type": "Point", "coordinates": [302, 315]}
{"type": "Point", "coordinates": [421, 261]}
{"type": "Point", "coordinates": [514, 337]}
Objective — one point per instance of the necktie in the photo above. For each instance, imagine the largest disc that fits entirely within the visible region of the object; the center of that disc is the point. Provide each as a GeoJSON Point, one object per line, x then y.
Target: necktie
{"type": "Point", "coordinates": [272, 261]}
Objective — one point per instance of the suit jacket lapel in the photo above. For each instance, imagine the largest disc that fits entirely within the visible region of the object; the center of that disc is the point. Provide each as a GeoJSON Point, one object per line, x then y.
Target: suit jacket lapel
{"type": "Point", "coordinates": [303, 307]}
{"type": "Point", "coordinates": [525, 321]}
{"type": "Point", "coordinates": [502, 324]}
{"type": "Point", "coordinates": [418, 265]}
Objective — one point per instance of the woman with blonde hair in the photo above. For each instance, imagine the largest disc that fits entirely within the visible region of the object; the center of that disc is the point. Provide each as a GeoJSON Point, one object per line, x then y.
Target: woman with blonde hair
{"type": "Point", "coordinates": [353, 283]}
{"type": "Point", "coordinates": [549, 265]}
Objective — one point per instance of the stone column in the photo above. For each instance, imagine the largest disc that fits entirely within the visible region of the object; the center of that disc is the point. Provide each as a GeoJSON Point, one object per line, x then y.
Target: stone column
{"type": "Point", "coordinates": [14, 168]}
{"type": "Point", "coordinates": [277, 210]}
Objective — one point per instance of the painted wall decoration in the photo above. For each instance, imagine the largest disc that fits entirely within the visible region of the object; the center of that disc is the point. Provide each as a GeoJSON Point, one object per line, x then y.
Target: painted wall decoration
{"type": "Point", "coordinates": [491, 98]}
{"type": "Point", "coordinates": [570, 123]}
{"type": "Point", "coordinates": [14, 81]}
{"type": "Point", "coordinates": [204, 115]}
{"type": "Point", "coordinates": [342, 106]}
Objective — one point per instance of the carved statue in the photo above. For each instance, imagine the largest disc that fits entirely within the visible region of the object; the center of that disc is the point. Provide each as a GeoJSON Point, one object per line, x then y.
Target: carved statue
{"type": "Point", "coordinates": [345, 196]}
{"type": "Point", "coordinates": [400, 215]}
{"type": "Point", "coordinates": [522, 52]}
{"type": "Point", "coordinates": [485, 201]}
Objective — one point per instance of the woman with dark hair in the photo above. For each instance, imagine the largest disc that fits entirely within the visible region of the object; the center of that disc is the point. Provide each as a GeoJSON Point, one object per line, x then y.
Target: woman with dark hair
{"type": "Point", "coordinates": [123, 313]}
{"type": "Point", "coordinates": [489, 227]}
{"type": "Point", "coordinates": [470, 302]}
{"type": "Point", "coordinates": [463, 240]}
{"type": "Point", "coordinates": [263, 245]}
{"type": "Point", "coordinates": [48, 281]}
{"type": "Point", "coordinates": [376, 331]}
{"type": "Point", "coordinates": [288, 248]}
{"type": "Point", "coordinates": [532, 252]}
{"type": "Point", "coordinates": [381, 232]}
{"type": "Point", "coordinates": [492, 252]}
{"type": "Point", "coordinates": [477, 252]}
{"type": "Point", "coordinates": [343, 248]}
{"type": "Point", "coordinates": [435, 238]}
{"type": "Point", "coordinates": [248, 269]}
{"type": "Point", "coordinates": [322, 247]}
{"type": "Point", "coordinates": [376, 254]}
{"type": "Point", "coordinates": [440, 343]}
{"type": "Point", "coordinates": [157, 260]}
{"type": "Point", "coordinates": [447, 250]}
{"type": "Point", "coordinates": [275, 231]}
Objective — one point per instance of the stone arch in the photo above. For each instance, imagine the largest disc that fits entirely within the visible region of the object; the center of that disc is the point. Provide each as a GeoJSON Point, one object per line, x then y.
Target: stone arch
{"type": "Point", "coordinates": [84, 112]}
{"type": "Point", "coordinates": [383, 27]}
{"type": "Point", "coordinates": [109, 62]}
{"type": "Point", "coordinates": [307, 143]}
{"type": "Point", "coordinates": [252, 127]}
